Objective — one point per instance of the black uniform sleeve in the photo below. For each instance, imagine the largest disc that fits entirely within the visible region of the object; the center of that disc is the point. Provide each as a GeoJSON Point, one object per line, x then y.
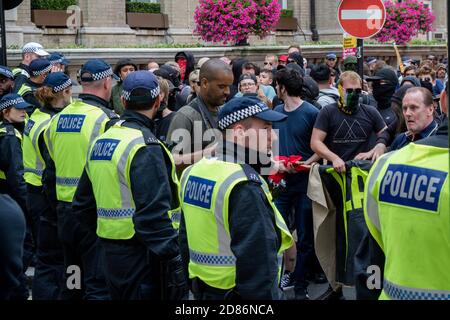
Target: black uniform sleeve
{"type": "Point", "coordinates": [11, 162]}
{"type": "Point", "coordinates": [184, 248]}
{"type": "Point", "coordinates": [84, 205]}
{"type": "Point", "coordinates": [49, 174]}
{"type": "Point", "coordinates": [152, 196]}
{"type": "Point", "coordinates": [254, 242]}
{"type": "Point", "coordinates": [12, 234]}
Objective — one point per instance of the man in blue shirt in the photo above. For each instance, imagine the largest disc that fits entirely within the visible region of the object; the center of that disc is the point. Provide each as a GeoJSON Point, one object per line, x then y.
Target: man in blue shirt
{"type": "Point", "coordinates": [418, 110]}
{"type": "Point", "coordinates": [294, 136]}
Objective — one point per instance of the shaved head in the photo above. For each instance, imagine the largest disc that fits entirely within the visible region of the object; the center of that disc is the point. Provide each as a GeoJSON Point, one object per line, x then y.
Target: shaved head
{"type": "Point", "coordinates": [213, 69]}
{"type": "Point", "coordinates": [216, 77]}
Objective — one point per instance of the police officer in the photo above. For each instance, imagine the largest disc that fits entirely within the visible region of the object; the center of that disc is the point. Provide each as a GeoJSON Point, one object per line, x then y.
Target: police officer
{"type": "Point", "coordinates": [231, 234]}
{"type": "Point", "coordinates": [54, 95]}
{"type": "Point", "coordinates": [12, 117]}
{"type": "Point", "coordinates": [68, 138]}
{"type": "Point", "coordinates": [6, 81]}
{"type": "Point", "coordinates": [127, 194]}
{"type": "Point", "coordinates": [30, 51]}
{"type": "Point", "coordinates": [39, 69]}
{"type": "Point", "coordinates": [59, 62]}
{"type": "Point", "coordinates": [406, 208]}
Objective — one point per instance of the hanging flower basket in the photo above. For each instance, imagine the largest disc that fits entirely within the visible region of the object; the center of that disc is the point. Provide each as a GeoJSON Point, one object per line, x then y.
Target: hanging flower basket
{"type": "Point", "coordinates": [232, 21]}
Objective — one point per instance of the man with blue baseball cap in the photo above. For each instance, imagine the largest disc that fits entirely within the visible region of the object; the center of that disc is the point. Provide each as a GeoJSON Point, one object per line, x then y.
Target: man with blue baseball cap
{"type": "Point", "coordinates": [39, 69]}
{"type": "Point", "coordinates": [6, 81]}
{"type": "Point", "coordinates": [331, 61]}
{"type": "Point", "coordinates": [232, 237]}
{"type": "Point", "coordinates": [128, 196]}
{"type": "Point", "coordinates": [68, 137]}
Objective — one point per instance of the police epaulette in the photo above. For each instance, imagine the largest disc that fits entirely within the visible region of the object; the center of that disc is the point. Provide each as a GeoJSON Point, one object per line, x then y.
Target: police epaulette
{"type": "Point", "coordinates": [149, 137]}
{"type": "Point", "coordinates": [10, 131]}
{"type": "Point", "coordinates": [112, 115]}
{"type": "Point", "coordinates": [251, 174]}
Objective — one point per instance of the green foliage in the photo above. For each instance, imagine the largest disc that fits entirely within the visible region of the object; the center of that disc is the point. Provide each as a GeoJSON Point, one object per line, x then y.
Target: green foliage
{"type": "Point", "coordinates": [143, 7]}
{"type": "Point", "coordinates": [52, 4]}
{"type": "Point", "coordinates": [287, 13]}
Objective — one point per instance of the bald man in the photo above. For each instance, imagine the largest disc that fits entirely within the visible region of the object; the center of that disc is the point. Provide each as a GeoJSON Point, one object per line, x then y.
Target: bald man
{"type": "Point", "coordinates": [193, 131]}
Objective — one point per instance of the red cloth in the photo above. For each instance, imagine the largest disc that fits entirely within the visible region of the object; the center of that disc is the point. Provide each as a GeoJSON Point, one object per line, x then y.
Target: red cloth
{"type": "Point", "coordinates": [277, 177]}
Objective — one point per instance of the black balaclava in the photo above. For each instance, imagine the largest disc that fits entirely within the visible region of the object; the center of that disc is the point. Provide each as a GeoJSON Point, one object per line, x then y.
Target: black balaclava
{"type": "Point", "coordinates": [383, 93]}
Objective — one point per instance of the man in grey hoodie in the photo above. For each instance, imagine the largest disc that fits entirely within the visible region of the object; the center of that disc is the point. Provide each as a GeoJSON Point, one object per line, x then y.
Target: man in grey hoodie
{"type": "Point", "coordinates": [327, 94]}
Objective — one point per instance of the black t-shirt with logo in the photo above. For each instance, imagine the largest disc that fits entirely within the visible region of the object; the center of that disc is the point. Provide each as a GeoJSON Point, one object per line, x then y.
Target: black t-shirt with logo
{"type": "Point", "coordinates": [349, 135]}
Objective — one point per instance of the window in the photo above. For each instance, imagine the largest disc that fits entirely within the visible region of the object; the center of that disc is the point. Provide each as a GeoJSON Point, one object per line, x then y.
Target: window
{"type": "Point", "coordinates": [283, 4]}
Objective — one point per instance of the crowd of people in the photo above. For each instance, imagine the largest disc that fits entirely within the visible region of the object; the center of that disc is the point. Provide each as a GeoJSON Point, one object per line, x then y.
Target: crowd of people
{"type": "Point", "coordinates": [118, 180]}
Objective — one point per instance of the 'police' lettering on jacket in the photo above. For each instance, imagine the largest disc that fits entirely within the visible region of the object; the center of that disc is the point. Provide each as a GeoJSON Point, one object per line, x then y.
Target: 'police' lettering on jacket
{"type": "Point", "coordinates": [70, 123]}
{"type": "Point", "coordinates": [412, 186]}
{"type": "Point", "coordinates": [198, 192]}
{"type": "Point", "coordinates": [104, 149]}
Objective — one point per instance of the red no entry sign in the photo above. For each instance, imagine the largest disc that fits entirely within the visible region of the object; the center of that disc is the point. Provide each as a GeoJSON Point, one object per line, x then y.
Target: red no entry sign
{"type": "Point", "coordinates": [362, 18]}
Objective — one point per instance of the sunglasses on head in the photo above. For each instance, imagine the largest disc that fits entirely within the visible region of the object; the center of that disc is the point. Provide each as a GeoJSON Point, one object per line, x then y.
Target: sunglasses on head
{"type": "Point", "coordinates": [349, 91]}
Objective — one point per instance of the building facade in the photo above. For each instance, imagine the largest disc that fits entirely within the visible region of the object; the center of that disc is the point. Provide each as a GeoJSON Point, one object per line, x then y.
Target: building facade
{"type": "Point", "coordinates": [105, 24]}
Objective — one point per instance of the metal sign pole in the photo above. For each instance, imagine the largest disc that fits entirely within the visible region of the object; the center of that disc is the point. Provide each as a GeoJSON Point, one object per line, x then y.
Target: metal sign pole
{"type": "Point", "coordinates": [360, 56]}
{"type": "Point", "coordinates": [3, 35]}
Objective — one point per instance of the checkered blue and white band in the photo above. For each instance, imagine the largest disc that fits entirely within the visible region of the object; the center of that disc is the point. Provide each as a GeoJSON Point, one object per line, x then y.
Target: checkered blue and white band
{"type": "Point", "coordinates": [40, 72]}
{"type": "Point", "coordinates": [53, 62]}
{"type": "Point", "coordinates": [63, 86]}
{"type": "Point", "coordinates": [153, 93]}
{"type": "Point", "coordinates": [239, 115]}
{"type": "Point", "coordinates": [11, 103]}
{"type": "Point", "coordinates": [102, 75]}
{"type": "Point", "coordinates": [7, 73]}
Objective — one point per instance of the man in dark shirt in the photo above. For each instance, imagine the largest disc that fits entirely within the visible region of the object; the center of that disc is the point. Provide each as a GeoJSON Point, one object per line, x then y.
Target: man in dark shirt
{"type": "Point", "coordinates": [294, 136]}
{"type": "Point", "coordinates": [192, 128]}
{"type": "Point", "coordinates": [418, 110]}
{"type": "Point", "coordinates": [342, 131]}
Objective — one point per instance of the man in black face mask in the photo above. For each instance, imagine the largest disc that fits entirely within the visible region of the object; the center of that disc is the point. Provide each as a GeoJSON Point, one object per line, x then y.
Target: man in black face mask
{"type": "Point", "coordinates": [384, 84]}
{"type": "Point", "coordinates": [342, 132]}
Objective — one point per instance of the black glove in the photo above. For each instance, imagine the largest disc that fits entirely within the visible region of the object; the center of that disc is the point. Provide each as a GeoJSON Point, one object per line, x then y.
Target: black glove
{"type": "Point", "coordinates": [174, 286]}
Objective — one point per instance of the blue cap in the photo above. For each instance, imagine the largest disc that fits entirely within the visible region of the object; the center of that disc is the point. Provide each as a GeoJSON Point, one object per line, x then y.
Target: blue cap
{"type": "Point", "coordinates": [140, 80]}
{"type": "Point", "coordinates": [13, 100]}
{"type": "Point", "coordinates": [238, 109]}
{"type": "Point", "coordinates": [371, 60]}
{"type": "Point", "coordinates": [6, 72]}
{"type": "Point", "coordinates": [95, 70]}
{"type": "Point", "coordinates": [40, 66]}
{"type": "Point", "coordinates": [57, 57]}
{"type": "Point", "coordinates": [58, 81]}
{"type": "Point", "coordinates": [331, 55]}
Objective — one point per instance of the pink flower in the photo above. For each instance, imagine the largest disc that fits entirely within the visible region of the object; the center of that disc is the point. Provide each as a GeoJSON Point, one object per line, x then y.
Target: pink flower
{"type": "Point", "coordinates": [404, 21]}
{"type": "Point", "coordinates": [232, 20]}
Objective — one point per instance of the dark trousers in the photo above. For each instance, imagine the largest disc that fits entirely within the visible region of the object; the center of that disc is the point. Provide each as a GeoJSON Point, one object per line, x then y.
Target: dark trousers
{"type": "Point", "coordinates": [302, 206]}
{"type": "Point", "coordinates": [130, 270]}
{"type": "Point", "coordinates": [36, 204]}
{"type": "Point", "coordinates": [82, 250]}
{"type": "Point", "coordinates": [49, 271]}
